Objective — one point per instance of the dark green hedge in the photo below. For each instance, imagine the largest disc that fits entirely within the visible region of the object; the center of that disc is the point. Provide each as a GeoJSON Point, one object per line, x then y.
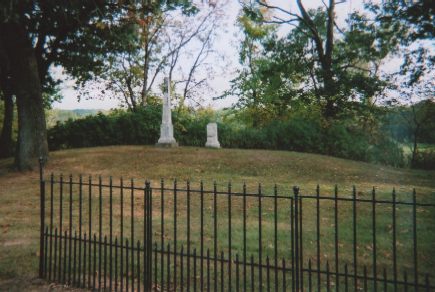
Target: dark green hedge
{"type": "Point", "coordinates": [297, 134]}
{"type": "Point", "coordinates": [425, 160]}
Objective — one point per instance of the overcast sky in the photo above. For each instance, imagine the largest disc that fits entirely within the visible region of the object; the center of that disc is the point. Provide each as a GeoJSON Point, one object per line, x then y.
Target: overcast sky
{"type": "Point", "coordinates": [227, 44]}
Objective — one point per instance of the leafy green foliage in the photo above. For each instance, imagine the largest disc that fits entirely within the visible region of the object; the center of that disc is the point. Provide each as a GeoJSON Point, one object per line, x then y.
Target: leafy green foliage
{"type": "Point", "coordinates": [400, 124]}
{"type": "Point", "coordinates": [117, 128]}
{"type": "Point", "coordinates": [410, 24]}
{"type": "Point", "coordinates": [297, 133]}
{"type": "Point", "coordinates": [281, 71]}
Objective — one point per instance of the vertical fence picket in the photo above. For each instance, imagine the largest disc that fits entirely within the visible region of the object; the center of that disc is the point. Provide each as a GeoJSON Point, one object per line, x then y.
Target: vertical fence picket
{"type": "Point", "coordinates": [146, 240]}
{"type": "Point", "coordinates": [337, 279]}
{"type": "Point", "coordinates": [74, 264]}
{"type": "Point", "coordinates": [127, 255]}
{"type": "Point", "coordinates": [365, 279]}
{"type": "Point", "coordinates": [116, 263]}
{"type": "Point", "coordinates": [132, 232]}
{"type": "Point", "coordinates": [215, 223]}
{"type": "Point", "coordinates": [110, 230]}
{"type": "Point", "coordinates": [275, 245]}
{"type": "Point", "coordinates": [80, 228]}
{"type": "Point", "coordinates": [46, 252]}
{"type": "Point", "coordinates": [284, 284]}
{"type": "Point", "coordinates": [138, 265]}
{"type": "Point", "coordinates": [229, 237]}
{"type": "Point", "coordinates": [188, 234]}
{"type": "Point", "coordinates": [301, 253]}
{"type": "Point", "coordinates": [245, 259]}
{"type": "Point", "coordinates": [121, 237]}
{"type": "Point", "coordinates": [394, 239]}
{"type": "Point", "coordinates": [150, 234]}
{"type": "Point", "coordinates": [65, 242]}
{"type": "Point", "coordinates": [105, 263]}
{"type": "Point", "coordinates": [222, 272]}
{"type": "Point", "coordinates": [346, 282]}
{"type": "Point", "coordinates": [70, 229]}
{"type": "Point", "coordinates": [267, 274]}
{"type": "Point", "coordinates": [292, 244]}
{"type": "Point", "coordinates": [100, 229]}
{"type": "Point", "coordinates": [182, 269]}
{"type": "Point", "coordinates": [201, 231]}
{"type": "Point", "coordinates": [175, 235]}
{"type": "Point", "coordinates": [51, 225]}
{"type": "Point", "coordinates": [296, 237]}
{"type": "Point", "coordinates": [162, 230]}
{"type": "Point", "coordinates": [252, 273]}
{"type": "Point", "coordinates": [155, 266]}
{"type": "Point", "coordinates": [310, 283]}
{"type": "Point", "coordinates": [318, 235]}
{"type": "Point", "coordinates": [94, 267]}
{"type": "Point", "coordinates": [55, 256]}
{"type": "Point", "coordinates": [260, 242]}
{"type": "Point", "coordinates": [83, 284]}
{"type": "Point", "coordinates": [168, 267]}
{"type": "Point", "coordinates": [237, 273]}
{"type": "Point", "coordinates": [208, 270]}
{"type": "Point", "coordinates": [89, 228]}
{"type": "Point", "coordinates": [61, 227]}
{"type": "Point", "coordinates": [355, 266]}
{"type": "Point", "coordinates": [385, 279]}
{"type": "Point", "coordinates": [374, 252]}
{"type": "Point", "coordinates": [50, 261]}
{"type": "Point", "coordinates": [414, 235]}
{"type": "Point", "coordinates": [194, 269]}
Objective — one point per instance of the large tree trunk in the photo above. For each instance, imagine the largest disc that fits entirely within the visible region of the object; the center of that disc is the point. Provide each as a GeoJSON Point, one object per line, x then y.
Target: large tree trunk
{"type": "Point", "coordinates": [6, 135]}
{"type": "Point", "coordinates": [324, 54]}
{"type": "Point", "coordinates": [32, 133]}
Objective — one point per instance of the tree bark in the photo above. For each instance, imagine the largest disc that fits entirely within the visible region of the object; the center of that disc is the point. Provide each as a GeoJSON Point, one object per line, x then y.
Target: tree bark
{"type": "Point", "coordinates": [32, 133]}
{"type": "Point", "coordinates": [414, 148]}
{"type": "Point", "coordinates": [329, 89]}
{"type": "Point", "coordinates": [6, 135]}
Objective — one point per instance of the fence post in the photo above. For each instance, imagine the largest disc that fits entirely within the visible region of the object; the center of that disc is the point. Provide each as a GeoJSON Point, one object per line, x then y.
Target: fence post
{"type": "Point", "coordinates": [42, 216]}
{"type": "Point", "coordinates": [296, 237]}
{"type": "Point", "coordinates": [148, 238]}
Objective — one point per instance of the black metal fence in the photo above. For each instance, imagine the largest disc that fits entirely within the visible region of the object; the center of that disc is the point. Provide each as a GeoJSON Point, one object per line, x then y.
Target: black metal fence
{"type": "Point", "coordinates": [136, 236]}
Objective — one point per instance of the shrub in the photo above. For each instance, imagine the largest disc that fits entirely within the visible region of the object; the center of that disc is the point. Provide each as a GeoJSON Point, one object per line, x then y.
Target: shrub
{"type": "Point", "coordinates": [303, 133]}
{"type": "Point", "coordinates": [424, 160]}
{"type": "Point", "coordinates": [117, 128]}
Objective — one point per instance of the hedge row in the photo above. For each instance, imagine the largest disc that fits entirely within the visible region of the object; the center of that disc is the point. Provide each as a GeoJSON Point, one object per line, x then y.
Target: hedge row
{"type": "Point", "coordinates": [296, 134]}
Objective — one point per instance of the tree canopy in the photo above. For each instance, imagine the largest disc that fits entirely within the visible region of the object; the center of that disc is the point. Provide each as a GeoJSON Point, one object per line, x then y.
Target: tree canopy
{"type": "Point", "coordinates": [76, 35]}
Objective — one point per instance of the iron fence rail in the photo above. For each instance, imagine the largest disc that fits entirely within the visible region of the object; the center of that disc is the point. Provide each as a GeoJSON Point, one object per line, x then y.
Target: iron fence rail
{"type": "Point", "coordinates": [125, 237]}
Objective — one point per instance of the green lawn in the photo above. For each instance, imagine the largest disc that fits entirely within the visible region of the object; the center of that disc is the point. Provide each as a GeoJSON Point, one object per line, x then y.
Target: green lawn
{"type": "Point", "coordinates": [19, 205]}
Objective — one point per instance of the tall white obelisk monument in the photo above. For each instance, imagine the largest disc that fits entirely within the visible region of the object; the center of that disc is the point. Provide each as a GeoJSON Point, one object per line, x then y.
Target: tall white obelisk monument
{"type": "Point", "coordinates": [166, 129]}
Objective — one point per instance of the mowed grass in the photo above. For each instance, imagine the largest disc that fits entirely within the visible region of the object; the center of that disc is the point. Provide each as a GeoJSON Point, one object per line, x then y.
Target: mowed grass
{"type": "Point", "coordinates": [19, 199]}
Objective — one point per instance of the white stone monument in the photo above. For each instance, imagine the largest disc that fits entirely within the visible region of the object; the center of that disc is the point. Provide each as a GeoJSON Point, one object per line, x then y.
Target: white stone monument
{"type": "Point", "coordinates": [212, 136]}
{"type": "Point", "coordinates": [166, 129]}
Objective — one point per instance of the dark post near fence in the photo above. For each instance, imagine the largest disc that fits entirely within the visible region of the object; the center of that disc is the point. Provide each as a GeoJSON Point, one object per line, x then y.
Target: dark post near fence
{"type": "Point", "coordinates": [42, 218]}
{"type": "Point", "coordinates": [295, 236]}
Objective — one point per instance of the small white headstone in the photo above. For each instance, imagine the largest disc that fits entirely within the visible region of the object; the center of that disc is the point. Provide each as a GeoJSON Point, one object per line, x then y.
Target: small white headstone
{"type": "Point", "coordinates": [212, 136]}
